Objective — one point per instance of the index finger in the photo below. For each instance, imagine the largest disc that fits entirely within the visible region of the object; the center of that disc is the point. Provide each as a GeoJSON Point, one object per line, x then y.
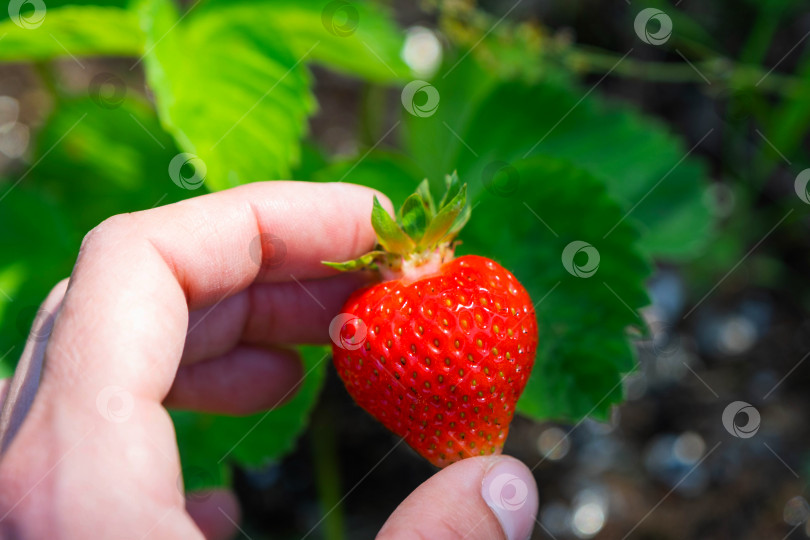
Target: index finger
{"type": "Point", "coordinates": [138, 275]}
{"type": "Point", "coordinates": [269, 231]}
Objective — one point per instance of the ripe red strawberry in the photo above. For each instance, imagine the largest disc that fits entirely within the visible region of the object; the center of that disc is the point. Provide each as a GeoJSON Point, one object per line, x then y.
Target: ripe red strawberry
{"type": "Point", "coordinates": [441, 350]}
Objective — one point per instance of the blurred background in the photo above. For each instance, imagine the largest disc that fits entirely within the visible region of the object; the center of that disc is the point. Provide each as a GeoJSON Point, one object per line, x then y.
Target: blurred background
{"type": "Point", "coordinates": [669, 398]}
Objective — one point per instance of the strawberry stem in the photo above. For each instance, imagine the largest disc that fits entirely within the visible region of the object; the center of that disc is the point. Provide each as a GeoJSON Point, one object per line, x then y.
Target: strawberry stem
{"type": "Point", "coordinates": [420, 239]}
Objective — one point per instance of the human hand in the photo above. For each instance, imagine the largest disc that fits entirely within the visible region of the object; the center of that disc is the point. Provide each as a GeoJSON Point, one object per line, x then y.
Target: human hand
{"type": "Point", "coordinates": [120, 326]}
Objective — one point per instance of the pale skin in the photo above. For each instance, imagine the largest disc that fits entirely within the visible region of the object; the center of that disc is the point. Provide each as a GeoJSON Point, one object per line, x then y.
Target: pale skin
{"type": "Point", "coordinates": [122, 321]}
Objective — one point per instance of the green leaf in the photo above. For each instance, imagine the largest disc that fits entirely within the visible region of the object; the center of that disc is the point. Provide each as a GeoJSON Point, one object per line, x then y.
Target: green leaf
{"type": "Point", "coordinates": [92, 162]}
{"type": "Point", "coordinates": [452, 188]}
{"type": "Point", "coordinates": [359, 263]}
{"type": "Point", "coordinates": [116, 157]}
{"type": "Point", "coordinates": [413, 217]}
{"type": "Point", "coordinates": [209, 443]}
{"type": "Point", "coordinates": [461, 220]}
{"type": "Point", "coordinates": [424, 191]}
{"type": "Point", "coordinates": [53, 4]}
{"type": "Point", "coordinates": [12, 276]}
{"type": "Point", "coordinates": [643, 166]}
{"type": "Point", "coordinates": [787, 122]}
{"type": "Point", "coordinates": [260, 89]}
{"type": "Point", "coordinates": [687, 30]}
{"type": "Point", "coordinates": [388, 172]}
{"type": "Point", "coordinates": [442, 224]}
{"type": "Point", "coordinates": [313, 160]}
{"type": "Point", "coordinates": [389, 234]}
{"type": "Point", "coordinates": [357, 38]}
{"type": "Point", "coordinates": [37, 249]}
{"type": "Point", "coordinates": [584, 350]}
{"type": "Point", "coordinates": [71, 30]}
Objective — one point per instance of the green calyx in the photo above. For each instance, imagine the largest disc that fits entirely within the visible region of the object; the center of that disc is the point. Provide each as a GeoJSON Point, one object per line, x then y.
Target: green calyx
{"type": "Point", "coordinates": [422, 231]}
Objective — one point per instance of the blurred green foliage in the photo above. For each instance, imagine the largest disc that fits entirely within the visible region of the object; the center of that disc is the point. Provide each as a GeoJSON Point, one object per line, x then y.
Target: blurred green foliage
{"type": "Point", "coordinates": [548, 162]}
{"type": "Point", "coordinates": [489, 120]}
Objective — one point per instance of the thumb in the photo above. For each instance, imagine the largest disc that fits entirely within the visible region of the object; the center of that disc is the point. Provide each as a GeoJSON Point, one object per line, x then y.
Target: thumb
{"type": "Point", "coordinates": [476, 498]}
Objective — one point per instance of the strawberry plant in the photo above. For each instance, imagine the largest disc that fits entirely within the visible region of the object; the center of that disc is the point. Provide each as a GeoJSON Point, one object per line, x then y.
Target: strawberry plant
{"type": "Point", "coordinates": [218, 80]}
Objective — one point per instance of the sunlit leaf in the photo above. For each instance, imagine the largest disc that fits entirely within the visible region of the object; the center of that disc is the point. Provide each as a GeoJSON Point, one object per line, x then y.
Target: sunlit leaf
{"type": "Point", "coordinates": [358, 38]}
{"type": "Point", "coordinates": [70, 30]}
{"type": "Point", "coordinates": [230, 92]}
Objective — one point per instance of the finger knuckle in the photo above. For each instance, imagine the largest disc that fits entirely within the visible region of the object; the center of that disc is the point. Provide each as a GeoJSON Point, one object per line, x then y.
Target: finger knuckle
{"type": "Point", "coordinates": [110, 230]}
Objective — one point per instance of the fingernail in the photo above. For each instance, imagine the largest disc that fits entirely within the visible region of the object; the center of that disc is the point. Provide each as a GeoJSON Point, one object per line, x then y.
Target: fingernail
{"type": "Point", "coordinates": [510, 492]}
